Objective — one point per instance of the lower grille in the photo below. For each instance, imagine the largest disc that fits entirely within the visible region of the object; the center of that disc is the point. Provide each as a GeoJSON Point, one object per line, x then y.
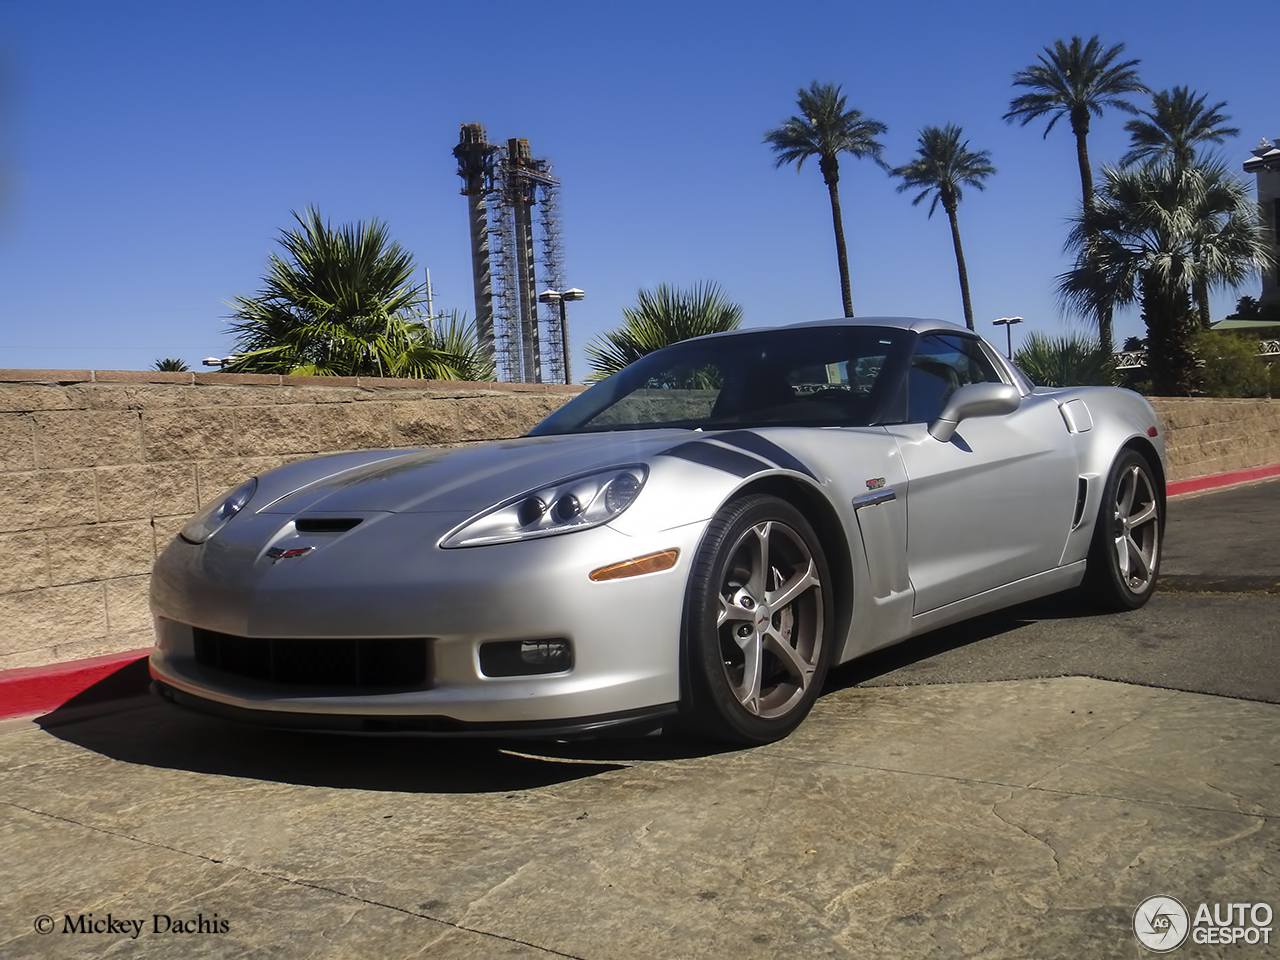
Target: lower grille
{"type": "Point", "coordinates": [356, 666]}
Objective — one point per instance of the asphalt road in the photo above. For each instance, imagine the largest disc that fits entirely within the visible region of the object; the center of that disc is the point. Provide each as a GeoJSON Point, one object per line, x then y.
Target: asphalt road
{"type": "Point", "coordinates": [1213, 625]}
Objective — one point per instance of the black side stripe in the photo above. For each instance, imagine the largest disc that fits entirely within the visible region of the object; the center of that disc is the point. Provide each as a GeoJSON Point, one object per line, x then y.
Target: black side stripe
{"type": "Point", "coordinates": [764, 448]}
{"type": "Point", "coordinates": [719, 458]}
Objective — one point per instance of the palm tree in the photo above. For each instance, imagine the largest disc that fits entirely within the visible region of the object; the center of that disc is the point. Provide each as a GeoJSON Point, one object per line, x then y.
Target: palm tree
{"type": "Point", "coordinates": [341, 304]}
{"type": "Point", "coordinates": [1069, 361]}
{"type": "Point", "coordinates": [1155, 232]}
{"type": "Point", "coordinates": [825, 129]}
{"type": "Point", "coordinates": [1247, 308]}
{"type": "Point", "coordinates": [446, 348]}
{"type": "Point", "coordinates": [662, 316]}
{"type": "Point", "coordinates": [942, 166]}
{"type": "Point", "coordinates": [1077, 81]}
{"type": "Point", "coordinates": [1176, 125]}
{"type": "Point", "coordinates": [171, 365]}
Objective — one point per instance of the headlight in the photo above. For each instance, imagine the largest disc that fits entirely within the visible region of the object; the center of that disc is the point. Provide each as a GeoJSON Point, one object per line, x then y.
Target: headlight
{"type": "Point", "coordinates": [574, 504]}
{"type": "Point", "coordinates": [208, 522]}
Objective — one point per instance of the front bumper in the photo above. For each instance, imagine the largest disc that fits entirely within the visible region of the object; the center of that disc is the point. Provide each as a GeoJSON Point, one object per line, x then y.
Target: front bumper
{"type": "Point", "coordinates": [624, 634]}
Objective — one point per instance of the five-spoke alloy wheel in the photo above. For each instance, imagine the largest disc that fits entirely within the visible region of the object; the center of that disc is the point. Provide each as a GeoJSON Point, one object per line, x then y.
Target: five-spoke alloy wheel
{"type": "Point", "coordinates": [1125, 556]}
{"type": "Point", "coordinates": [758, 622]}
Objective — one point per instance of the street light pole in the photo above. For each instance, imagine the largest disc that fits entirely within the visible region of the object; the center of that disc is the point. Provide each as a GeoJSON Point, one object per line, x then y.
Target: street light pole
{"type": "Point", "coordinates": [1007, 323]}
{"type": "Point", "coordinates": [555, 296]}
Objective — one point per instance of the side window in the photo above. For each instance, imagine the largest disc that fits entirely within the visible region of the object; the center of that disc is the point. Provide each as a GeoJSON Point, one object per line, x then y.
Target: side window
{"type": "Point", "coordinates": [827, 379]}
{"type": "Point", "coordinates": [942, 364]}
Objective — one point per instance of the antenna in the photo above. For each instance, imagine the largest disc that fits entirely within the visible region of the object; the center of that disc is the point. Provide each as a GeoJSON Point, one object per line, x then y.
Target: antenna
{"type": "Point", "coordinates": [431, 312]}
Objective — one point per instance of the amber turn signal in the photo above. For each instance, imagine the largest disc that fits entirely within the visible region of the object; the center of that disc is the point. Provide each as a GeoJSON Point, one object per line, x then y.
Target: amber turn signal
{"type": "Point", "coordinates": [649, 563]}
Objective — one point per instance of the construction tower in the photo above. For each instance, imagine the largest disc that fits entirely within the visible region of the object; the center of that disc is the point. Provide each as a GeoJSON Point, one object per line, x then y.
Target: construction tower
{"type": "Point", "coordinates": [502, 186]}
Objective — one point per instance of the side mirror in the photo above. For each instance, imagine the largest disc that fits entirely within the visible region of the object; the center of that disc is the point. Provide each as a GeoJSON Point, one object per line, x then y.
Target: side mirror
{"type": "Point", "coordinates": [975, 400]}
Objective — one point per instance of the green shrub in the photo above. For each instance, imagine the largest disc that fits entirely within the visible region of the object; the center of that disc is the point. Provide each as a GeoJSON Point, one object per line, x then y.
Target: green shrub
{"type": "Point", "coordinates": [1232, 366]}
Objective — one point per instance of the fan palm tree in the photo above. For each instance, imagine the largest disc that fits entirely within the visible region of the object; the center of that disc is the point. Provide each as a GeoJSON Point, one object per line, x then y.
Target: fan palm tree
{"type": "Point", "coordinates": [1155, 232]}
{"type": "Point", "coordinates": [1076, 81]}
{"type": "Point", "coordinates": [339, 304]}
{"type": "Point", "coordinates": [942, 166]}
{"type": "Point", "coordinates": [445, 348]}
{"type": "Point", "coordinates": [1170, 132]}
{"type": "Point", "coordinates": [1069, 361]}
{"type": "Point", "coordinates": [825, 129]}
{"type": "Point", "coordinates": [661, 317]}
{"type": "Point", "coordinates": [171, 365]}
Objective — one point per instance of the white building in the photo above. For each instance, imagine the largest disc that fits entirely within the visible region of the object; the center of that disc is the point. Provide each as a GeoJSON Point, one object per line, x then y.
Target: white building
{"type": "Point", "coordinates": [1265, 165]}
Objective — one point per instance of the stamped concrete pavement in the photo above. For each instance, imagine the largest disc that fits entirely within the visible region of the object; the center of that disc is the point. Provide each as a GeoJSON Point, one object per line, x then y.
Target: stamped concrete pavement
{"type": "Point", "coordinates": [922, 815]}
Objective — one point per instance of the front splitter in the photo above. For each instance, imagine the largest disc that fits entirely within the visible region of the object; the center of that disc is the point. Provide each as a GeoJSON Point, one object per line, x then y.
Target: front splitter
{"type": "Point", "coordinates": [627, 723]}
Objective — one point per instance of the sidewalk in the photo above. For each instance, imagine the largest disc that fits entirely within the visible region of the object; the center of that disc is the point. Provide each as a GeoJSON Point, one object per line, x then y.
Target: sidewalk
{"type": "Point", "coordinates": [1019, 819]}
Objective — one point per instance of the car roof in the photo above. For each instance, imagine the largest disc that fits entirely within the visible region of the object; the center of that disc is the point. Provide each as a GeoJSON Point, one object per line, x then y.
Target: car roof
{"type": "Point", "coordinates": [921, 325]}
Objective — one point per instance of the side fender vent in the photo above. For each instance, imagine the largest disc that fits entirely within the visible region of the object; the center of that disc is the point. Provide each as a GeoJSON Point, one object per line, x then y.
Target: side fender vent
{"type": "Point", "coordinates": [1082, 494]}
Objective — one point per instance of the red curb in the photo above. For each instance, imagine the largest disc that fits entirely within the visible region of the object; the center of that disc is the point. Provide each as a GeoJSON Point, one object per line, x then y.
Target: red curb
{"type": "Point", "coordinates": [1180, 488]}
{"type": "Point", "coordinates": [35, 690]}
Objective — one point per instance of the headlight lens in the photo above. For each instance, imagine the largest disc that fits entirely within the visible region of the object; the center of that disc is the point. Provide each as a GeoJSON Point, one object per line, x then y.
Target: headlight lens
{"type": "Point", "coordinates": [209, 521]}
{"type": "Point", "coordinates": [577, 503]}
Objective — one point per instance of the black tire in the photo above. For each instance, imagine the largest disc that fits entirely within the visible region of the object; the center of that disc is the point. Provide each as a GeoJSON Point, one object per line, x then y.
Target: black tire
{"type": "Point", "coordinates": [754, 671]}
{"type": "Point", "coordinates": [1124, 557]}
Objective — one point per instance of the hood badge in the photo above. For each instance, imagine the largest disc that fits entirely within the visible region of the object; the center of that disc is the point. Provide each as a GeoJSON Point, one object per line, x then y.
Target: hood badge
{"type": "Point", "coordinates": [278, 553]}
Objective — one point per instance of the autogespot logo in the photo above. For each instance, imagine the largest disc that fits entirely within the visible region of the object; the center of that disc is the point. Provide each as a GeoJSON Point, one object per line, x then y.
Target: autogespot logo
{"type": "Point", "coordinates": [1161, 924]}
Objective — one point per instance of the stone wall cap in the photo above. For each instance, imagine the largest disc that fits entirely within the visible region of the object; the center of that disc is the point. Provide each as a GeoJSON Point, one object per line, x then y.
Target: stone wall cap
{"type": "Point", "coordinates": [46, 376]}
{"type": "Point", "coordinates": [202, 378]}
{"type": "Point", "coordinates": [1214, 400]}
{"type": "Point", "coordinates": [143, 376]}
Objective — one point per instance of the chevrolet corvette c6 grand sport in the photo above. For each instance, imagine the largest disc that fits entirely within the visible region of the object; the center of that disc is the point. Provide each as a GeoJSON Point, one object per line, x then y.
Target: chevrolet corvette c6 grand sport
{"type": "Point", "coordinates": [691, 543]}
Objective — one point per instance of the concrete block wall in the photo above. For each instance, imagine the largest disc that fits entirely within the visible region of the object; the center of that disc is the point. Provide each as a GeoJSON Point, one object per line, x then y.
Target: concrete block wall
{"type": "Point", "coordinates": [100, 469]}
{"type": "Point", "coordinates": [1210, 437]}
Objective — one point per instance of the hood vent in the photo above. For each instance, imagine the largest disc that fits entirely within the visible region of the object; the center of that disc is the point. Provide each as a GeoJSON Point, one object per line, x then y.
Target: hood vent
{"type": "Point", "coordinates": [325, 524]}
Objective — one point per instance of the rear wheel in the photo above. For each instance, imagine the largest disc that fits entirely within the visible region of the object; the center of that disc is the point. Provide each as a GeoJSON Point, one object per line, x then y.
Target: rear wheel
{"type": "Point", "coordinates": [758, 622]}
{"type": "Point", "coordinates": [1124, 558]}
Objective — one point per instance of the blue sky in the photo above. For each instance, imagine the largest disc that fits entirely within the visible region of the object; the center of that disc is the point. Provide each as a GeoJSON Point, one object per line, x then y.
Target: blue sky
{"type": "Point", "coordinates": [153, 151]}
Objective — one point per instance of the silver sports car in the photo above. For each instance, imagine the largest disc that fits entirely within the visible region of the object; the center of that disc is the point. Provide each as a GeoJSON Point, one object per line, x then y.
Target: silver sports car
{"type": "Point", "coordinates": [692, 542]}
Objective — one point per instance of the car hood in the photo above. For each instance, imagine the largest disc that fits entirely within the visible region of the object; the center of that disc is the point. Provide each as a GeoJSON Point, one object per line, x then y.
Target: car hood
{"type": "Point", "coordinates": [465, 479]}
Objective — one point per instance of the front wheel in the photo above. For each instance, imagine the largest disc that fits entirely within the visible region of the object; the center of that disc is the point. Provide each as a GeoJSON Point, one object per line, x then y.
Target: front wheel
{"type": "Point", "coordinates": [758, 622]}
{"type": "Point", "coordinates": [1124, 558]}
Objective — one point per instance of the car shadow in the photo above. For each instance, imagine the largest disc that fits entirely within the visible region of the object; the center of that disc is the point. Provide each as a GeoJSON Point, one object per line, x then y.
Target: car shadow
{"type": "Point", "coordinates": [146, 731]}
{"type": "Point", "coordinates": [917, 650]}
{"type": "Point", "coordinates": [117, 718]}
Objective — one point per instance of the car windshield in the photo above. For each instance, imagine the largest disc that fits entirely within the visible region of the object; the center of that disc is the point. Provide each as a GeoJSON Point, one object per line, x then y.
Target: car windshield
{"type": "Point", "coordinates": [802, 376]}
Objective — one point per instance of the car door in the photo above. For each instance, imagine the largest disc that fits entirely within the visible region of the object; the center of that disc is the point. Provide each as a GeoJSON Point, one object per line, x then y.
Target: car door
{"type": "Point", "coordinates": [996, 502]}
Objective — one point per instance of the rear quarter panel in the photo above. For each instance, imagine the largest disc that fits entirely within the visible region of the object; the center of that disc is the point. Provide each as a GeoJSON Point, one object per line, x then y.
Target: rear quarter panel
{"type": "Point", "coordinates": [1120, 419]}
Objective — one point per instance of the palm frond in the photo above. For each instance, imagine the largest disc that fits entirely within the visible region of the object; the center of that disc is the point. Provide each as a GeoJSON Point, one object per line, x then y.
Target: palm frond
{"type": "Point", "coordinates": [1066, 361]}
{"type": "Point", "coordinates": [342, 302]}
{"type": "Point", "coordinates": [1174, 127]}
{"type": "Point", "coordinates": [1079, 76]}
{"type": "Point", "coordinates": [661, 317]}
{"type": "Point", "coordinates": [943, 166]}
